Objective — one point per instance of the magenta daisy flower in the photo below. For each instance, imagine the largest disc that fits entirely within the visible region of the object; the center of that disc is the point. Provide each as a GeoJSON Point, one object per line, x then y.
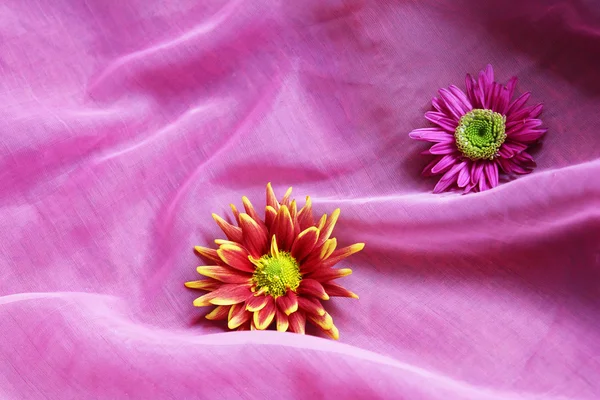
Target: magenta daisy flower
{"type": "Point", "coordinates": [480, 134]}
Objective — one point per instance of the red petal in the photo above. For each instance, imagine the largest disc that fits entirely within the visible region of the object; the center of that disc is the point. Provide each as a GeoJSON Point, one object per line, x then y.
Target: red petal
{"type": "Point", "coordinates": [288, 303]}
{"type": "Point", "coordinates": [282, 320]}
{"type": "Point", "coordinates": [230, 294]}
{"type": "Point", "coordinates": [283, 229]}
{"type": "Point", "coordinates": [325, 322]}
{"type": "Point", "coordinates": [329, 274]}
{"type": "Point", "coordinates": [333, 332]}
{"type": "Point", "coordinates": [339, 254]}
{"type": "Point", "coordinates": [305, 243]}
{"type": "Point", "coordinates": [327, 230]}
{"type": "Point", "coordinates": [263, 318]}
{"type": "Point", "coordinates": [218, 313]}
{"type": "Point", "coordinates": [286, 197]}
{"type": "Point", "coordinates": [297, 322]}
{"type": "Point", "coordinates": [254, 236]}
{"type": "Point", "coordinates": [204, 284]}
{"type": "Point", "coordinates": [238, 316]}
{"type": "Point", "coordinates": [305, 216]}
{"type": "Point", "coordinates": [271, 198]}
{"type": "Point", "coordinates": [333, 289]}
{"type": "Point", "coordinates": [256, 303]}
{"type": "Point", "coordinates": [233, 233]}
{"type": "Point", "coordinates": [224, 274]}
{"type": "Point", "coordinates": [310, 306]}
{"type": "Point", "coordinates": [235, 212]}
{"type": "Point", "coordinates": [252, 213]}
{"type": "Point", "coordinates": [209, 254]}
{"type": "Point", "coordinates": [236, 257]}
{"type": "Point", "coordinates": [270, 215]}
{"type": "Point", "coordinates": [294, 215]}
{"type": "Point", "coordinates": [312, 287]}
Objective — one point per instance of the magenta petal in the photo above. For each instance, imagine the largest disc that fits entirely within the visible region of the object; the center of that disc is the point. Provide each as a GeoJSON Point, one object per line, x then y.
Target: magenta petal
{"type": "Point", "coordinates": [476, 171]}
{"type": "Point", "coordinates": [513, 147]}
{"type": "Point", "coordinates": [443, 148]}
{"type": "Point", "coordinates": [483, 97]}
{"type": "Point", "coordinates": [505, 152]}
{"type": "Point", "coordinates": [431, 135]}
{"type": "Point", "coordinates": [448, 178]}
{"type": "Point", "coordinates": [529, 135]}
{"type": "Point", "coordinates": [441, 120]}
{"type": "Point", "coordinates": [516, 126]}
{"type": "Point", "coordinates": [489, 73]}
{"type": "Point", "coordinates": [454, 104]}
{"type": "Point", "coordinates": [511, 85]}
{"type": "Point", "coordinates": [444, 164]}
{"type": "Point", "coordinates": [524, 156]}
{"type": "Point", "coordinates": [428, 167]}
{"type": "Point", "coordinates": [482, 183]}
{"type": "Point", "coordinates": [437, 104]}
{"type": "Point", "coordinates": [495, 95]}
{"type": "Point", "coordinates": [469, 188]}
{"type": "Point", "coordinates": [463, 177]}
{"type": "Point", "coordinates": [491, 173]}
{"type": "Point", "coordinates": [518, 103]}
{"type": "Point", "coordinates": [462, 99]}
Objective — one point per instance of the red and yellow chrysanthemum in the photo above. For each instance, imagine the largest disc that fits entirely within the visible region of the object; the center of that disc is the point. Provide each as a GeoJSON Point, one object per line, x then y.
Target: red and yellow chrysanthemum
{"type": "Point", "coordinates": [274, 271]}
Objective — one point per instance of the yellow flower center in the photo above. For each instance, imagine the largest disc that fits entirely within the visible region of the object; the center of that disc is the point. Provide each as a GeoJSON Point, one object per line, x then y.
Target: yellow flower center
{"type": "Point", "coordinates": [277, 273]}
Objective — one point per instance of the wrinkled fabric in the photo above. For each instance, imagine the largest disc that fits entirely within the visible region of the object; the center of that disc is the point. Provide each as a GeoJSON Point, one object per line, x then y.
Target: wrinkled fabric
{"type": "Point", "coordinates": [125, 124]}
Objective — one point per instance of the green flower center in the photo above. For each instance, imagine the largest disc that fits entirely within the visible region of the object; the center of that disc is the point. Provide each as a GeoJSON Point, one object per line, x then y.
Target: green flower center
{"type": "Point", "coordinates": [276, 274]}
{"type": "Point", "coordinates": [480, 133]}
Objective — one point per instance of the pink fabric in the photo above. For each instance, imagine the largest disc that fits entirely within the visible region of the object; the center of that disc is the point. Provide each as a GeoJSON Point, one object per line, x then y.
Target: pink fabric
{"type": "Point", "coordinates": [124, 124]}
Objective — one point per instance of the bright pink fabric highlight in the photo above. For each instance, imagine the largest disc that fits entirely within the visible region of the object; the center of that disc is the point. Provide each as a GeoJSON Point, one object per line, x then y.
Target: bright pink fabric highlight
{"type": "Point", "coordinates": [126, 123]}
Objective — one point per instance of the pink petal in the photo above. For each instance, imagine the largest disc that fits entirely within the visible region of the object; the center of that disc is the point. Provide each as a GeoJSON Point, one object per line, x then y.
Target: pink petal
{"type": "Point", "coordinates": [482, 183]}
{"type": "Point", "coordinates": [443, 148]}
{"type": "Point", "coordinates": [529, 112]}
{"type": "Point", "coordinates": [524, 156]}
{"type": "Point", "coordinates": [503, 100]}
{"type": "Point", "coordinates": [529, 135]}
{"type": "Point", "coordinates": [469, 188]}
{"type": "Point", "coordinates": [428, 167]}
{"type": "Point", "coordinates": [463, 100]}
{"type": "Point", "coordinates": [489, 73]}
{"type": "Point", "coordinates": [512, 148]}
{"type": "Point", "coordinates": [483, 97]}
{"type": "Point", "coordinates": [476, 171]}
{"type": "Point", "coordinates": [463, 177]}
{"type": "Point", "coordinates": [518, 103]}
{"type": "Point", "coordinates": [442, 120]}
{"type": "Point", "coordinates": [449, 178]}
{"type": "Point", "coordinates": [431, 135]}
{"type": "Point", "coordinates": [437, 104]}
{"type": "Point", "coordinates": [511, 85]}
{"type": "Point", "coordinates": [444, 164]}
{"type": "Point", "coordinates": [452, 103]}
{"type": "Point", "coordinates": [495, 94]}
{"type": "Point", "coordinates": [515, 126]}
{"type": "Point", "coordinates": [472, 92]}
{"type": "Point", "coordinates": [491, 173]}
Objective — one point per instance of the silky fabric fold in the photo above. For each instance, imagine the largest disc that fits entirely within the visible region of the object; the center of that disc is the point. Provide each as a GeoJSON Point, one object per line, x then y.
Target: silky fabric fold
{"type": "Point", "coordinates": [125, 124]}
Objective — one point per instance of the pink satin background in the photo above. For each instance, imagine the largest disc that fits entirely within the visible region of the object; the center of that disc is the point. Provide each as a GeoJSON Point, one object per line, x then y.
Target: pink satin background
{"type": "Point", "coordinates": [124, 124]}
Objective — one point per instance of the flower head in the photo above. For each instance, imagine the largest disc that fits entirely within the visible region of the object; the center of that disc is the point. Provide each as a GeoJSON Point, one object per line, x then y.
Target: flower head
{"type": "Point", "coordinates": [274, 271]}
{"type": "Point", "coordinates": [480, 134]}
